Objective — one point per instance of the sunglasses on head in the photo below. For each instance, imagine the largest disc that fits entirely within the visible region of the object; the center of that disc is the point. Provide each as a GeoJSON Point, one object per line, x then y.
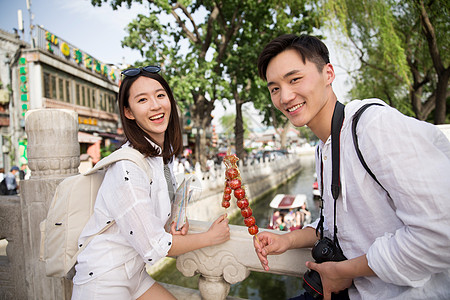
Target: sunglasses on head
{"type": "Point", "coordinates": [136, 71]}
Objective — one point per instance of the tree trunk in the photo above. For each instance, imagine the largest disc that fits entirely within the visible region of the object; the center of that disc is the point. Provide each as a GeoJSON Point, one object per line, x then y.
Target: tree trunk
{"type": "Point", "coordinates": [440, 111]}
{"type": "Point", "coordinates": [283, 135]}
{"type": "Point", "coordinates": [239, 128]}
{"type": "Point", "coordinates": [443, 73]}
{"type": "Point", "coordinates": [202, 120]}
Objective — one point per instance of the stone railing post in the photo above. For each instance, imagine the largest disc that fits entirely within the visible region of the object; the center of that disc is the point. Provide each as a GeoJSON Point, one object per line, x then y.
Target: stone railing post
{"type": "Point", "coordinates": [53, 154]}
{"type": "Point", "coordinates": [218, 269]}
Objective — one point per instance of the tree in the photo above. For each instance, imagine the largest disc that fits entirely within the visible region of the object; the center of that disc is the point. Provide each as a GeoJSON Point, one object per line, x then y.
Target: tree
{"type": "Point", "coordinates": [227, 122]}
{"type": "Point", "coordinates": [223, 39]}
{"type": "Point", "coordinates": [264, 21]}
{"type": "Point", "coordinates": [403, 50]}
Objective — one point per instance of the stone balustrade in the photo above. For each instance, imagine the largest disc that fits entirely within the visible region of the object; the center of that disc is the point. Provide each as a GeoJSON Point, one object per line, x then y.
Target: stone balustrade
{"type": "Point", "coordinates": [231, 262]}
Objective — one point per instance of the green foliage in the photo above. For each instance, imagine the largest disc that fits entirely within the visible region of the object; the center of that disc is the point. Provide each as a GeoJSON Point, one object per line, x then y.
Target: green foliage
{"type": "Point", "coordinates": [208, 49]}
{"type": "Point", "coordinates": [105, 151]}
{"type": "Point", "coordinates": [397, 62]}
{"type": "Point", "coordinates": [306, 133]}
{"type": "Point", "coordinates": [227, 123]}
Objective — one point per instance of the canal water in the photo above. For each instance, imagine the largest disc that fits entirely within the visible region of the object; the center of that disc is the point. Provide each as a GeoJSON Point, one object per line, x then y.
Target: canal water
{"type": "Point", "coordinates": [259, 285]}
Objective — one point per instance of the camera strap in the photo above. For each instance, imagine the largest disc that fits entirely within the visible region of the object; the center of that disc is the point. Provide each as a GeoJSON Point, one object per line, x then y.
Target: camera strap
{"type": "Point", "coordinates": [336, 125]}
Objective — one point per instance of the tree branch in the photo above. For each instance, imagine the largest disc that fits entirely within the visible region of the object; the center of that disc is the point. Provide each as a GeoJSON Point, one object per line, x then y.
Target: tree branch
{"type": "Point", "coordinates": [209, 30]}
{"type": "Point", "coordinates": [189, 16]}
{"type": "Point", "coordinates": [235, 25]}
{"type": "Point", "coordinates": [428, 30]}
{"type": "Point", "coordinates": [361, 58]}
{"type": "Point", "coordinates": [180, 22]}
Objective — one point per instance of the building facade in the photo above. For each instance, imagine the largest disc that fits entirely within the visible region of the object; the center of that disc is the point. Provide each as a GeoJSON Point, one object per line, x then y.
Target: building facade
{"type": "Point", "coordinates": [52, 73]}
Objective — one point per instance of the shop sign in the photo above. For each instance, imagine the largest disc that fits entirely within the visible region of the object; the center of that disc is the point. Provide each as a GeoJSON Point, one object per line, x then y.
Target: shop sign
{"type": "Point", "coordinates": [23, 86]}
{"type": "Point", "coordinates": [53, 44]}
{"type": "Point", "coordinates": [87, 121]}
{"type": "Point", "coordinates": [23, 145]}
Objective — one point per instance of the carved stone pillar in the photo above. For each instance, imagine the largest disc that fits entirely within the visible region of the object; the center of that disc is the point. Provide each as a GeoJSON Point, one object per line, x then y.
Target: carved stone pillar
{"type": "Point", "coordinates": [53, 154]}
{"type": "Point", "coordinates": [53, 148]}
{"type": "Point", "coordinates": [218, 269]}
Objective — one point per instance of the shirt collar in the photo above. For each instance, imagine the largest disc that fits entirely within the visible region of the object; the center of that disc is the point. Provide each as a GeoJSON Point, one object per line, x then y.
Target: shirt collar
{"type": "Point", "coordinates": [128, 144]}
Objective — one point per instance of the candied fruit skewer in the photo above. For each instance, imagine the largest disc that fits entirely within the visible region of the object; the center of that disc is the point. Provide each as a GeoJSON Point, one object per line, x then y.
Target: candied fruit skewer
{"type": "Point", "coordinates": [233, 181]}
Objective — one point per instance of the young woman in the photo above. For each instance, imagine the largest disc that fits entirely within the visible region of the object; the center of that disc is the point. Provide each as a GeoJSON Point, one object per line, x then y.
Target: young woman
{"type": "Point", "coordinates": [113, 264]}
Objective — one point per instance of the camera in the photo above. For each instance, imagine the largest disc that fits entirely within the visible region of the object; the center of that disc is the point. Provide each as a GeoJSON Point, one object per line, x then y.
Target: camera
{"type": "Point", "coordinates": [324, 250]}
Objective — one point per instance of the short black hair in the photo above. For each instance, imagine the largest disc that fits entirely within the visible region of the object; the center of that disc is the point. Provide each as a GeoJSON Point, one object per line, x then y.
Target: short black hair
{"type": "Point", "coordinates": [309, 47]}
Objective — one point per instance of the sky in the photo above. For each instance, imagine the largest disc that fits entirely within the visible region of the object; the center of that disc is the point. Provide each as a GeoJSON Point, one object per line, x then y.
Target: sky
{"type": "Point", "coordinates": [99, 31]}
{"type": "Point", "coordinates": [95, 30]}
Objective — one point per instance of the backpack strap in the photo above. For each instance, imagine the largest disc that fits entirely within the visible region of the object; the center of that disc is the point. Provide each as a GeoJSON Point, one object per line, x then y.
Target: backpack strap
{"type": "Point", "coordinates": [127, 153]}
{"type": "Point", "coordinates": [356, 117]}
{"type": "Point", "coordinates": [73, 261]}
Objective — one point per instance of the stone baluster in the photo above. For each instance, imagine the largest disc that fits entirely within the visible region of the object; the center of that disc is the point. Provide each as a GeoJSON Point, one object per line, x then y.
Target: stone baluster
{"type": "Point", "coordinates": [218, 269]}
{"type": "Point", "coordinates": [53, 154]}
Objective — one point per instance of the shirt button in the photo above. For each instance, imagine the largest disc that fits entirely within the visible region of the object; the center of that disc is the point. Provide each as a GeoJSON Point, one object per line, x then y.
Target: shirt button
{"type": "Point", "coordinates": [325, 157]}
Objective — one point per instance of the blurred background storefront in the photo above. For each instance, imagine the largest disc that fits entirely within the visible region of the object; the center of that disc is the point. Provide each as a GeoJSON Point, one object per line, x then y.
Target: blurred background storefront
{"type": "Point", "coordinates": [52, 73]}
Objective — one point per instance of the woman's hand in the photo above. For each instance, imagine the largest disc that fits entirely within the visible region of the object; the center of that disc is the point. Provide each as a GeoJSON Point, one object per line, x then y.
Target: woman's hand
{"type": "Point", "coordinates": [219, 232]}
{"type": "Point", "coordinates": [184, 230]}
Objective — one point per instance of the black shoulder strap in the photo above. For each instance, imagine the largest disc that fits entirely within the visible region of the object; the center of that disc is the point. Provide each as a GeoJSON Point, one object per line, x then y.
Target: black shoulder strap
{"type": "Point", "coordinates": [356, 117]}
{"type": "Point", "coordinates": [336, 125]}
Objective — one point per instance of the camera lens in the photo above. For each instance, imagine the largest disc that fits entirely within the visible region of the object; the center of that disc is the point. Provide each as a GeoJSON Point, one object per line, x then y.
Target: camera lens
{"type": "Point", "coordinates": [326, 251]}
{"type": "Point", "coordinates": [323, 250]}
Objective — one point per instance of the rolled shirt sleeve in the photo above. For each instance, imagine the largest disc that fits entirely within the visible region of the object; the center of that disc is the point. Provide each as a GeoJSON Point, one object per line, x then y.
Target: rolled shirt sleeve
{"type": "Point", "coordinates": [139, 211]}
{"type": "Point", "coordinates": [413, 164]}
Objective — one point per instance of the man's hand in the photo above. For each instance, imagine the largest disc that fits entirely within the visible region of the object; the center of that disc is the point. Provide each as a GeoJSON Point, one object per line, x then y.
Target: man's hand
{"type": "Point", "coordinates": [269, 243]}
{"type": "Point", "coordinates": [332, 278]}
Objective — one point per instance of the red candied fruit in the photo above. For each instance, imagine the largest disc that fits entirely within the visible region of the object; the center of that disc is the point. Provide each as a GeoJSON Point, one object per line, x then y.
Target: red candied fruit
{"type": "Point", "coordinates": [246, 212]}
{"type": "Point", "coordinates": [225, 204]}
{"type": "Point", "coordinates": [234, 183]}
{"type": "Point", "coordinates": [250, 221]}
{"type": "Point", "coordinates": [253, 230]}
{"type": "Point", "coordinates": [227, 190]}
{"type": "Point", "coordinates": [239, 193]}
{"type": "Point", "coordinates": [231, 173]}
{"type": "Point", "coordinates": [242, 203]}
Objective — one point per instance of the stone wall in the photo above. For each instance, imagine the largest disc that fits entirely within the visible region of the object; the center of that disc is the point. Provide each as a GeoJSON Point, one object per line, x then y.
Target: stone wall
{"type": "Point", "coordinates": [12, 259]}
{"type": "Point", "coordinates": [53, 153]}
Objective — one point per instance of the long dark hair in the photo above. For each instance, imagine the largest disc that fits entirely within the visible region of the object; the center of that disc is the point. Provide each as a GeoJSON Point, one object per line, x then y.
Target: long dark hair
{"type": "Point", "coordinates": [173, 144]}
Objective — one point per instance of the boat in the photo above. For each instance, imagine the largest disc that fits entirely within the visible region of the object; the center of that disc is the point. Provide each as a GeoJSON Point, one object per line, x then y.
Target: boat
{"type": "Point", "coordinates": [288, 212]}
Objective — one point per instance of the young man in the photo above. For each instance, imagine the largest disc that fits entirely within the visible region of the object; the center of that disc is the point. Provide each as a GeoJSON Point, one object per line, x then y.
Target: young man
{"type": "Point", "coordinates": [396, 242]}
